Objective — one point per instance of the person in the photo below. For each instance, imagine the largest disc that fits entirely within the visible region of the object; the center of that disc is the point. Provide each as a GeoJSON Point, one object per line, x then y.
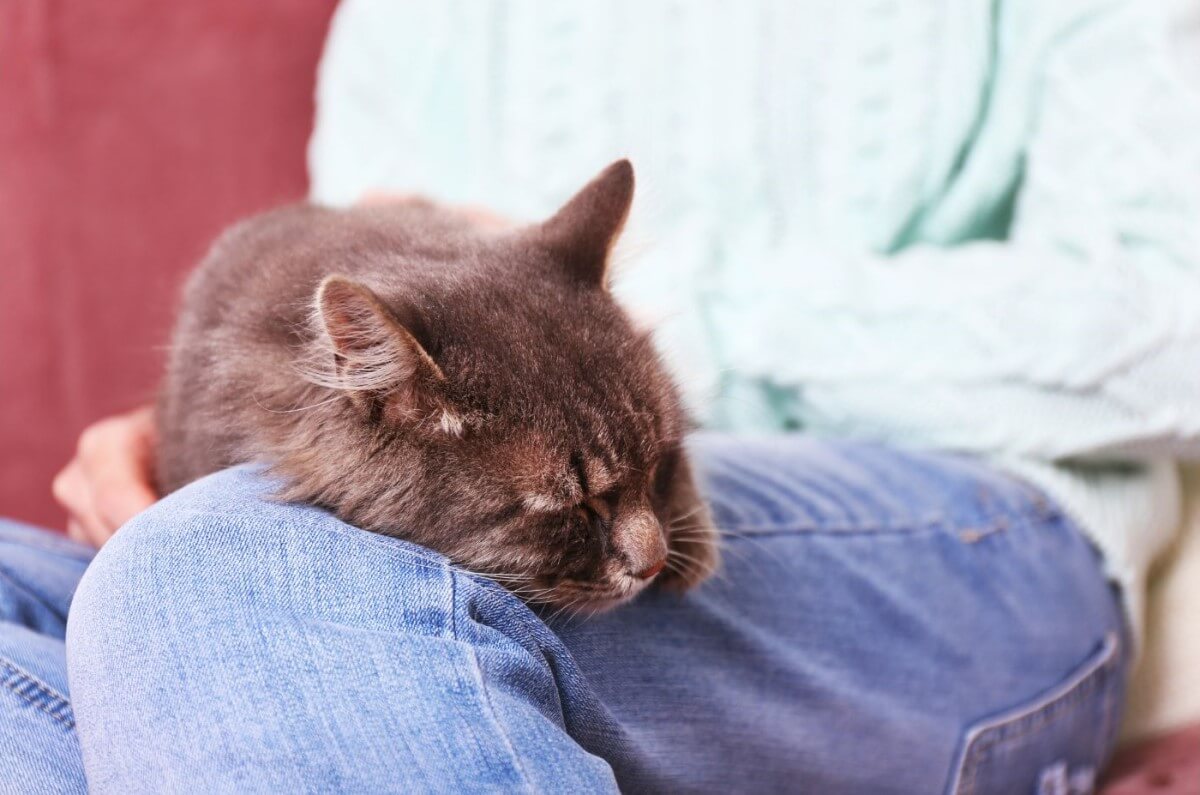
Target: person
{"type": "Point", "coordinates": [959, 226]}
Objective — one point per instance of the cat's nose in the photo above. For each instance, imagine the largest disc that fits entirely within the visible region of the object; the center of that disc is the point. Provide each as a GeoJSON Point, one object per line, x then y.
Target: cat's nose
{"type": "Point", "coordinates": [639, 537]}
{"type": "Point", "coordinates": [653, 570]}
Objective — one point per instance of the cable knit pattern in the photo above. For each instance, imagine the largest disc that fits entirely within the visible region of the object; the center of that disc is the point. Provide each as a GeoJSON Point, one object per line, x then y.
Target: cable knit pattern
{"type": "Point", "coordinates": [966, 224]}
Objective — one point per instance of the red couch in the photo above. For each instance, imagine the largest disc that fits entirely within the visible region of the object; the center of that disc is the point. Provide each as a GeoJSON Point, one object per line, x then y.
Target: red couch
{"type": "Point", "coordinates": [132, 131]}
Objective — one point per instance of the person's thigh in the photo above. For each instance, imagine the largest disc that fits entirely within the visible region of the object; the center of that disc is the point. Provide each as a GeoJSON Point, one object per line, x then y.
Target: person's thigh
{"type": "Point", "coordinates": [884, 622]}
{"type": "Point", "coordinates": [39, 750]}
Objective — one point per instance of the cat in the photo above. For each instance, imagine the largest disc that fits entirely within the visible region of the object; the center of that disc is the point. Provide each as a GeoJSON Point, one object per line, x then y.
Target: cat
{"type": "Point", "coordinates": [473, 390]}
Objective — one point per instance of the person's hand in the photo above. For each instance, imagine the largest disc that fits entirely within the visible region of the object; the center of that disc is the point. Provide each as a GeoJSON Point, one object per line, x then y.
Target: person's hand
{"type": "Point", "coordinates": [111, 477]}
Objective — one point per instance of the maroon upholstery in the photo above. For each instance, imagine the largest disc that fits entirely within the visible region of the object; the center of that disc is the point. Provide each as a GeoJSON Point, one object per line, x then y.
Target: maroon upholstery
{"type": "Point", "coordinates": [132, 131]}
{"type": "Point", "coordinates": [1165, 765]}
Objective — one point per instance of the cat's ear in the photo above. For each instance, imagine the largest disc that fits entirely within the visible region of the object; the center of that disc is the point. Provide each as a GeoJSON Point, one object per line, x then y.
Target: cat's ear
{"type": "Point", "coordinates": [376, 360]}
{"type": "Point", "coordinates": [583, 232]}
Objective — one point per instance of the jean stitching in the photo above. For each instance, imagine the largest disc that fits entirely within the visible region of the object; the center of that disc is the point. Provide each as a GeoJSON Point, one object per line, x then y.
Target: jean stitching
{"type": "Point", "coordinates": [1001, 506]}
{"type": "Point", "coordinates": [999, 503]}
{"type": "Point", "coordinates": [1095, 678]}
{"type": "Point", "coordinates": [838, 529]}
{"type": "Point", "coordinates": [1022, 728]}
{"type": "Point", "coordinates": [48, 700]}
{"type": "Point", "coordinates": [1112, 703]}
{"type": "Point", "coordinates": [1106, 722]}
{"type": "Point", "coordinates": [995, 522]}
{"type": "Point", "coordinates": [485, 694]}
{"type": "Point", "coordinates": [454, 600]}
{"type": "Point", "coordinates": [491, 710]}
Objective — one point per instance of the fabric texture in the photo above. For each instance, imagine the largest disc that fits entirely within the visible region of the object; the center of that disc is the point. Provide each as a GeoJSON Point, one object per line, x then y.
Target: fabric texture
{"type": "Point", "coordinates": [967, 225]}
{"type": "Point", "coordinates": [884, 622]}
{"type": "Point", "coordinates": [39, 749]}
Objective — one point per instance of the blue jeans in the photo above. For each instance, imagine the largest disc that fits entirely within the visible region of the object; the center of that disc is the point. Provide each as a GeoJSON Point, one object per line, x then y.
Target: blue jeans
{"type": "Point", "coordinates": [884, 622]}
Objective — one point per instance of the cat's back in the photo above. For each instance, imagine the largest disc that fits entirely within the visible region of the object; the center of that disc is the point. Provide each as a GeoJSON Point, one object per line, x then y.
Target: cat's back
{"type": "Point", "coordinates": [257, 270]}
{"type": "Point", "coordinates": [260, 277]}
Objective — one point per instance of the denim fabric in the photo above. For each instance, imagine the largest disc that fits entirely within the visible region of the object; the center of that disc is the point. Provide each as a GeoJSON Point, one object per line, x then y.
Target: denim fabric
{"type": "Point", "coordinates": [39, 751]}
{"type": "Point", "coordinates": [884, 622]}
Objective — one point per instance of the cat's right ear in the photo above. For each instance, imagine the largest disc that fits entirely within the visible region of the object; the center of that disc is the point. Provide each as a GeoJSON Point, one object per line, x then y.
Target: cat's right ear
{"type": "Point", "coordinates": [583, 231]}
{"type": "Point", "coordinates": [376, 361]}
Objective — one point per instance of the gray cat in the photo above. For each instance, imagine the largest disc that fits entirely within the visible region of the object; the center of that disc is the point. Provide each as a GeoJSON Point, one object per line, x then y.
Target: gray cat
{"type": "Point", "coordinates": [475, 391]}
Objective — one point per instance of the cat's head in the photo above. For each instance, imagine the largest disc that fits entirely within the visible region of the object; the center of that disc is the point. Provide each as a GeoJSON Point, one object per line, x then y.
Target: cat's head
{"type": "Point", "coordinates": [516, 420]}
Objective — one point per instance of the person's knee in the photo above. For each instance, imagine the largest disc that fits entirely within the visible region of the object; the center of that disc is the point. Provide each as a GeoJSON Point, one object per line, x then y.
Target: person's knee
{"type": "Point", "coordinates": [218, 606]}
{"type": "Point", "coordinates": [166, 554]}
{"type": "Point", "coordinates": [162, 573]}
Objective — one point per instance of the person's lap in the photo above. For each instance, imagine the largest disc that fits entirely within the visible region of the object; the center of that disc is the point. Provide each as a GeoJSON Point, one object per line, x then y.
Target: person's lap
{"type": "Point", "coordinates": [883, 622]}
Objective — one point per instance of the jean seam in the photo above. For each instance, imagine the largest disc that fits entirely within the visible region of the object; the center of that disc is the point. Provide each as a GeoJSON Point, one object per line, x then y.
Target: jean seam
{"type": "Point", "coordinates": [839, 530]}
{"type": "Point", "coordinates": [907, 528]}
{"type": "Point", "coordinates": [1023, 518]}
{"type": "Point", "coordinates": [1029, 511]}
{"type": "Point", "coordinates": [491, 709]}
{"type": "Point", "coordinates": [1008, 731]}
{"type": "Point", "coordinates": [1093, 680]}
{"type": "Point", "coordinates": [1096, 680]}
{"type": "Point", "coordinates": [1112, 704]}
{"type": "Point", "coordinates": [485, 694]}
{"type": "Point", "coordinates": [36, 693]}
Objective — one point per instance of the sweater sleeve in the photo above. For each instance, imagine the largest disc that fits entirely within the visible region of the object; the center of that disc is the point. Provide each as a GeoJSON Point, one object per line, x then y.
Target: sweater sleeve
{"type": "Point", "coordinates": [1078, 336]}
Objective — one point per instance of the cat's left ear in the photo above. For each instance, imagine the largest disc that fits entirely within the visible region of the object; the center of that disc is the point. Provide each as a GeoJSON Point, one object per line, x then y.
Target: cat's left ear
{"type": "Point", "coordinates": [583, 232]}
{"type": "Point", "coordinates": [376, 359]}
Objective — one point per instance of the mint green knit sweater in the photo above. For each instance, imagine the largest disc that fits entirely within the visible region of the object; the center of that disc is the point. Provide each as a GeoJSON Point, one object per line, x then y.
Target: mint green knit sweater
{"type": "Point", "coordinates": [964, 224]}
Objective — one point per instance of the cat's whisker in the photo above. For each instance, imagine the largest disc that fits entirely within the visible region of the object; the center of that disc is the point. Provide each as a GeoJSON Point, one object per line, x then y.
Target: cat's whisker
{"type": "Point", "coordinates": [700, 534]}
{"type": "Point", "coordinates": [679, 567]}
{"type": "Point", "coordinates": [532, 588]}
{"type": "Point", "coordinates": [677, 552]}
{"type": "Point", "coordinates": [726, 536]}
{"type": "Point", "coordinates": [569, 608]}
{"type": "Point", "coordinates": [687, 515]}
{"type": "Point", "coordinates": [699, 539]}
{"type": "Point", "coordinates": [561, 609]}
{"type": "Point", "coordinates": [690, 564]}
{"type": "Point", "coordinates": [697, 530]}
{"type": "Point", "coordinates": [258, 403]}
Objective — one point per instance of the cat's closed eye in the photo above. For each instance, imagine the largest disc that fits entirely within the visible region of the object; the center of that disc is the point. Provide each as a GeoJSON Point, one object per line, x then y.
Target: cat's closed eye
{"type": "Point", "coordinates": [597, 508]}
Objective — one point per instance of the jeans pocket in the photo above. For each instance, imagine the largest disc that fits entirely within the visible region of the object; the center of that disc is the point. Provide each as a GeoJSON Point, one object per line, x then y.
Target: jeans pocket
{"type": "Point", "coordinates": [1055, 744]}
